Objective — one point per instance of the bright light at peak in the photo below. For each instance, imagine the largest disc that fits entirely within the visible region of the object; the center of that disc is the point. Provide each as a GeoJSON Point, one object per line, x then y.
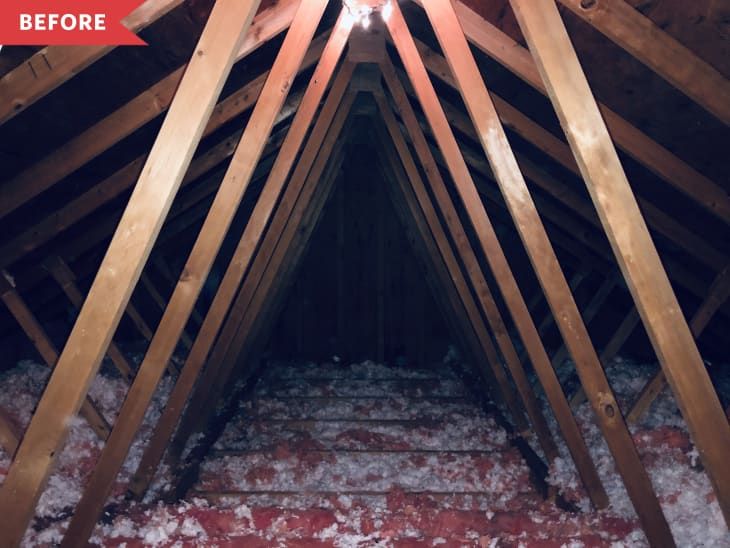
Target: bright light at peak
{"type": "Point", "coordinates": [386, 11]}
{"type": "Point", "coordinates": [360, 11]}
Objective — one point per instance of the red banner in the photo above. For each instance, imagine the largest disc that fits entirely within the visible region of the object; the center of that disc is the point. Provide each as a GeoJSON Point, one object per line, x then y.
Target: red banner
{"type": "Point", "coordinates": [67, 22]}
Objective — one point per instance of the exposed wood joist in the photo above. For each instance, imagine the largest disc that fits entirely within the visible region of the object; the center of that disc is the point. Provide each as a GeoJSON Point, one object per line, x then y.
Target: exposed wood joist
{"type": "Point", "coordinates": [52, 66]}
{"type": "Point", "coordinates": [123, 263]}
{"type": "Point", "coordinates": [637, 257]}
{"type": "Point", "coordinates": [522, 209]}
{"type": "Point", "coordinates": [671, 60]}
{"type": "Point", "coordinates": [149, 104]}
{"type": "Point", "coordinates": [514, 57]}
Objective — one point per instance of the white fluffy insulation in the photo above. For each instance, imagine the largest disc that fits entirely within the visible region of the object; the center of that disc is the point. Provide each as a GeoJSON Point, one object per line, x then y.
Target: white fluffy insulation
{"type": "Point", "coordinates": [370, 455]}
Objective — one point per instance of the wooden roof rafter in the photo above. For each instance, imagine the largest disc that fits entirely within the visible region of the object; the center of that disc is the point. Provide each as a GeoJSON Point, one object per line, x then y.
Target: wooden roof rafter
{"type": "Point", "coordinates": [242, 329]}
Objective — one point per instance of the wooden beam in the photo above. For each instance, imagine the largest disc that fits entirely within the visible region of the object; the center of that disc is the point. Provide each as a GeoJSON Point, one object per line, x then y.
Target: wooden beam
{"type": "Point", "coordinates": [127, 253]}
{"type": "Point", "coordinates": [513, 298]}
{"type": "Point", "coordinates": [514, 189]}
{"type": "Point", "coordinates": [47, 350]}
{"type": "Point", "coordinates": [671, 60]}
{"type": "Point", "coordinates": [514, 57]}
{"type": "Point", "coordinates": [197, 267]}
{"type": "Point", "coordinates": [629, 238]}
{"type": "Point", "coordinates": [284, 243]}
{"type": "Point", "coordinates": [409, 180]}
{"type": "Point", "coordinates": [589, 312]}
{"type": "Point", "coordinates": [247, 246]}
{"type": "Point", "coordinates": [460, 238]}
{"type": "Point", "coordinates": [66, 279]}
{"type": "Point", "coordinates": [53, 65]}
{"type": "Point", "coordinates": [159, 301]}
{"type": "Point", "coordinates": [719, 292]}
{"type": "Point", "coordinates": [559, 151]}
{"type": "Point", "coordinates": [100, 137]}
{"type": "Point", "coordinates": [323, 136]}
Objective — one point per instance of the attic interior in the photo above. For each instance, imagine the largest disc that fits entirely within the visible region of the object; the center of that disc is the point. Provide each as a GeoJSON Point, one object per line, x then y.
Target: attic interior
{"type": "Point", "coordinates": [369, 273]}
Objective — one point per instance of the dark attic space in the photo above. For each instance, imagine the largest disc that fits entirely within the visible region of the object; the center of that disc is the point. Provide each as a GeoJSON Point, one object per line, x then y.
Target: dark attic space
{"type": "Point", "coordinates": [369, 273]}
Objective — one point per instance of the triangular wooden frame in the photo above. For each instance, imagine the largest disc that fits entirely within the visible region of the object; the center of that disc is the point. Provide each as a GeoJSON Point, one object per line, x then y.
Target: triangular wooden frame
{"type": "Point", "coordinates": [172, 154]}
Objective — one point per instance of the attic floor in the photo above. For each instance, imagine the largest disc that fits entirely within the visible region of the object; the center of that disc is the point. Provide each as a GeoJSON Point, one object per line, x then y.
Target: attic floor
{"type": "Point", "coordinates": [369, 455]}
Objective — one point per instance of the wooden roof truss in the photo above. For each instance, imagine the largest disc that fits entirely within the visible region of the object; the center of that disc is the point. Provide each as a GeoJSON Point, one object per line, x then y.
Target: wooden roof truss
{"type": "Point", "coordinates": [296, 169]}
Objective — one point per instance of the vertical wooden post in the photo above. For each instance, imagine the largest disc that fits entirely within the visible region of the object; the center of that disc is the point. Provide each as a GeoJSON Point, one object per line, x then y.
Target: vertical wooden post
{"type": "Point", "coordinates": [531, 230]}
{"type": "Point", "coordinates": [629, 237]}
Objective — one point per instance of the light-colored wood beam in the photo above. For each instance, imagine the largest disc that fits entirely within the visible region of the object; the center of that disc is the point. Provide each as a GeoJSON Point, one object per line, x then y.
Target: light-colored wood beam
{"type": "Point", "coordinates": [53, 65]}
{"type": "Point", "coordinates": [670, 59]}
{"type": "Point", "coordinates": [516, 58]}
{"type": "Point", "coordinates": [513, 299]}
{"type": "Point", "coordinates": [539, 249]}
{"type": "Point", "coordinates": [142, 109]}
{"type": "Point", "coordinates": [125, 258]}
{"type": "Point", "coordinates": [66, 279]}
{"type": "Point", "coordinates": [637, 257]}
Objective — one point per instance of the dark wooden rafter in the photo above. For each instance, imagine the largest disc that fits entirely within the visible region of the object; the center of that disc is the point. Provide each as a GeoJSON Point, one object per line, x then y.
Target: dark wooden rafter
{"type": "Point", "coordinates": [458, 234]}
{"type": "Point", "coordinates": [443, 248]}
{"type": "Point", "coordinates": [45, 347]}
{"type": "Point", "coordinates": [127, 253]}
{"type": "Point", "coordinates": [248, 243]}
{"type": "Point", "coordinates": [234, 333]}
{"type": "Point", "coordinates": [719, 292]}
{"type": "Point", "coordinates": [52, 66]}
{"type": "Point", "coordinates": [511, 293]}
{"type": "Point", "coordinates": [253, 309]}
{"type": "Point", "coordinates": [496, 44]}
{"type": "Point", "coordinates": [514, 189]}
{"type": "Point", "coordinates": [643, 39]}
{"type": "Point", "coordinates": [624, 225]}
{"type": "Point", "coordinates": [443, 284]}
